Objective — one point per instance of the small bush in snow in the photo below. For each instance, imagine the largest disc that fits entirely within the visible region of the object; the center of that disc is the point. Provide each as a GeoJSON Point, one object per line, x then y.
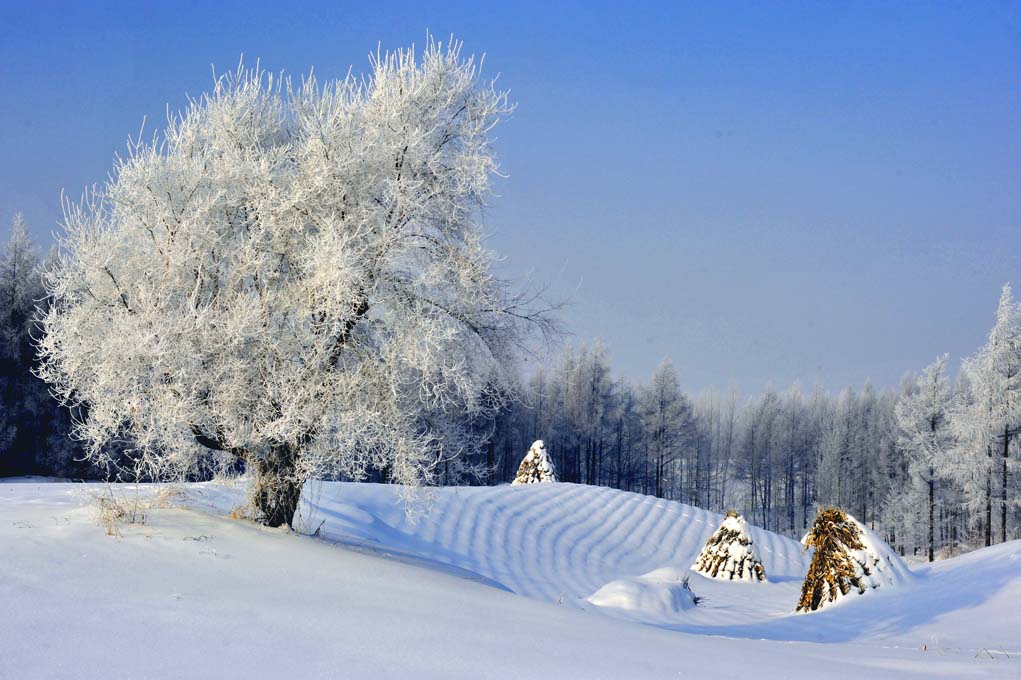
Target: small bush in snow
{"type": "Point", "coordinates": [729, 553]}
{"type": "Point", "coordinates": [848, 559]}
{"type": "Point", "coordinates": [114, 510]}
{"type": "Point", "coordinates": [536, 466]}
{"type": "Point", "coordinates": [686, 584]}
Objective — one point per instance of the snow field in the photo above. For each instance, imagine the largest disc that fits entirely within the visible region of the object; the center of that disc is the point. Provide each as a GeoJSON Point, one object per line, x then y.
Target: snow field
{"type": "Point", "coordinates": [195, 594]}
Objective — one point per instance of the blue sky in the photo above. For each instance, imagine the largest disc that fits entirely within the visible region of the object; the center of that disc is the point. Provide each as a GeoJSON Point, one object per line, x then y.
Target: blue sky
{"type": "Point", "coordinates": [821, 192]}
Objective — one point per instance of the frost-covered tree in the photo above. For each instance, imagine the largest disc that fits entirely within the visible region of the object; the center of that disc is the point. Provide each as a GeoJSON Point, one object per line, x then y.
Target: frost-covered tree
{"type": "Point", "coordinates": [923, 415]}
{"type": "Point", "coordinates": [972, 458]}
{"type": "Point", "coordinates": [1002, 355]}
{"type": "Point", "coordinates": [536, 467]}
{"type": "Point", "coordinates": [729, 553]}
{"type": "Point", "coordinates": [667, 418]}
{"type": "Point", "coordinates": [293, 276]}
{"type": "Point", "coordinates": [987, 416]}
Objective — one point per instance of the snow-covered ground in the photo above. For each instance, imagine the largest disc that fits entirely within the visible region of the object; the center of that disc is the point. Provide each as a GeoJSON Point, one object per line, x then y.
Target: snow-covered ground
{"type": "Point", "coordinates": [483, 582]}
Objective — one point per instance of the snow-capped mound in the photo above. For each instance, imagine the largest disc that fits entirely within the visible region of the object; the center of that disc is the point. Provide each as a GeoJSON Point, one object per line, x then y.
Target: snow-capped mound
{"type": "Point", "coordinates": [886, 567]}
{"type": "Point", "coordinates": [536, 467]}
{"type": "Point", "coordinates": [552, 542]}
{"type": "Point", "coordinates": [660, 594]}
{"type": "Point", "coordinates": [729, 554]}
{"type": "Point", "coordinates": [848, 559]}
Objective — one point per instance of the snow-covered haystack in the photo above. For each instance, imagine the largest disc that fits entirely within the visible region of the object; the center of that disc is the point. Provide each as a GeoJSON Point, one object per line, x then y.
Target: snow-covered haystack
{"type": "Point", "coordinates": [536, 466]}
{"type": "Point", "coordinates": [848, 559]}
{"type": "Point", "coordinates": [659, 594]}
{"type": "Point", "coordinates": [729, 553]}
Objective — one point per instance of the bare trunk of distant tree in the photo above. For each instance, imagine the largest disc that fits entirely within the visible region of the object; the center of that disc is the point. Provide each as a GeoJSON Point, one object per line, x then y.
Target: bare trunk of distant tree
{"type": "Point", "coordinates": [1003, 487]}
{"type": "Point", "coordinates": [932, 505]}
{"type": "Point", "coordinates": [989, 499]}
{"type": "Point", "coordinates": [491, 457]}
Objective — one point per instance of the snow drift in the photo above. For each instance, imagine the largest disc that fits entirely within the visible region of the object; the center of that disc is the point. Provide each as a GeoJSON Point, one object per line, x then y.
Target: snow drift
{"type": "Point", "coordinates": [661, 593]}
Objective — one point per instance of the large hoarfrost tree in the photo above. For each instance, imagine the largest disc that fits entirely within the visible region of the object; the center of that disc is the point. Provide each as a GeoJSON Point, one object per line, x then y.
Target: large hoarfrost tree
{"type": "Point", "coordinates": [293, 276]}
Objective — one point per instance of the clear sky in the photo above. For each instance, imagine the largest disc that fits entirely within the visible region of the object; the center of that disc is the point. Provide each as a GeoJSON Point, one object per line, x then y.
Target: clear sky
{"type": "Point", "coordinates": [822, 192]}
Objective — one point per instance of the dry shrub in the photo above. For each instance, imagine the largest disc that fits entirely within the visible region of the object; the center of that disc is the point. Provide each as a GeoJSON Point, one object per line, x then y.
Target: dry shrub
{"type": "Point", "coordinates": [166, 497]}
{"type": "Point", "coordinates": [729, 552]}
{"type": "Point", "coordinates": [115, 509]}
{"type": "Point", "coordinates": [242, 512]}
{"type": "Point", "coordinates": [832, 573]}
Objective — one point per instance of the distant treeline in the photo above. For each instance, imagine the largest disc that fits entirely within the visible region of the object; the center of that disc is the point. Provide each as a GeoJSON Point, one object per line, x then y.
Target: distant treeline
{"type": "Point", "coordinates": [33, 428]}
{"type": "Point", "coordinates": [931, 465]}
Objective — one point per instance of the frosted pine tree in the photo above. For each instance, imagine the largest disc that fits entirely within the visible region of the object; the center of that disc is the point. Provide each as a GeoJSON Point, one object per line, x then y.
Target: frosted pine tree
{"type": "Point", "coordinates": [729, 553]}
{"type": "Point", "coordinates": [848, 559]}
{"type": "Point", "coordinates": [536, 467]}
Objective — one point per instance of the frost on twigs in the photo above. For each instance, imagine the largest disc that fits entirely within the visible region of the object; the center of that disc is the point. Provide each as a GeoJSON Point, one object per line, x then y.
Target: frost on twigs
{"type": "Point", "coordinates": [729, 553]}
{"type": "Point", "coordinates": [536, 466]}
{"type": "Point", "coordinates": [292, 280]}
{"type": "Point", "coordinates": [848, 559]}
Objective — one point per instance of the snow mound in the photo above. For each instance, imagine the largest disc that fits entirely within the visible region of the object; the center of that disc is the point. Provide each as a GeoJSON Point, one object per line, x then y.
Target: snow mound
{"type": "Point", "coordinates": [660, 594]}
{"type": "Point", "coordinates": [552, 542]}
{"type": "Point", "coordinates": [885, 566]}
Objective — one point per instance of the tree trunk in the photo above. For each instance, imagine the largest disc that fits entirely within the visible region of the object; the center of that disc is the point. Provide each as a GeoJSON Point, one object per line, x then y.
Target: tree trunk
{"type": "Point", "coordinates": [989, 499]}
{"type": "Point", "coordinates": [932, 504]}
{"type": "Point", "coordinates": [1003, 488]}
{"type": "Point", "coordinates": [276, 489]}
{"type": "Point", "coordinates": [491, 458]}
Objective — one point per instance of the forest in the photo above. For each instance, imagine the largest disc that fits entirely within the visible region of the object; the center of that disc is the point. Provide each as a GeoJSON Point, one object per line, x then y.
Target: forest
{"type": "Point", "coordinates": [932, 464]}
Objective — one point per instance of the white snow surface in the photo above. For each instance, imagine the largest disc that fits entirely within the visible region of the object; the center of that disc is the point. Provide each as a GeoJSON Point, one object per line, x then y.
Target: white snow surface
{"type": "Point", "coordinates": [885, 566]}
{"type": "Point", "coordinates": [494, 582]}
